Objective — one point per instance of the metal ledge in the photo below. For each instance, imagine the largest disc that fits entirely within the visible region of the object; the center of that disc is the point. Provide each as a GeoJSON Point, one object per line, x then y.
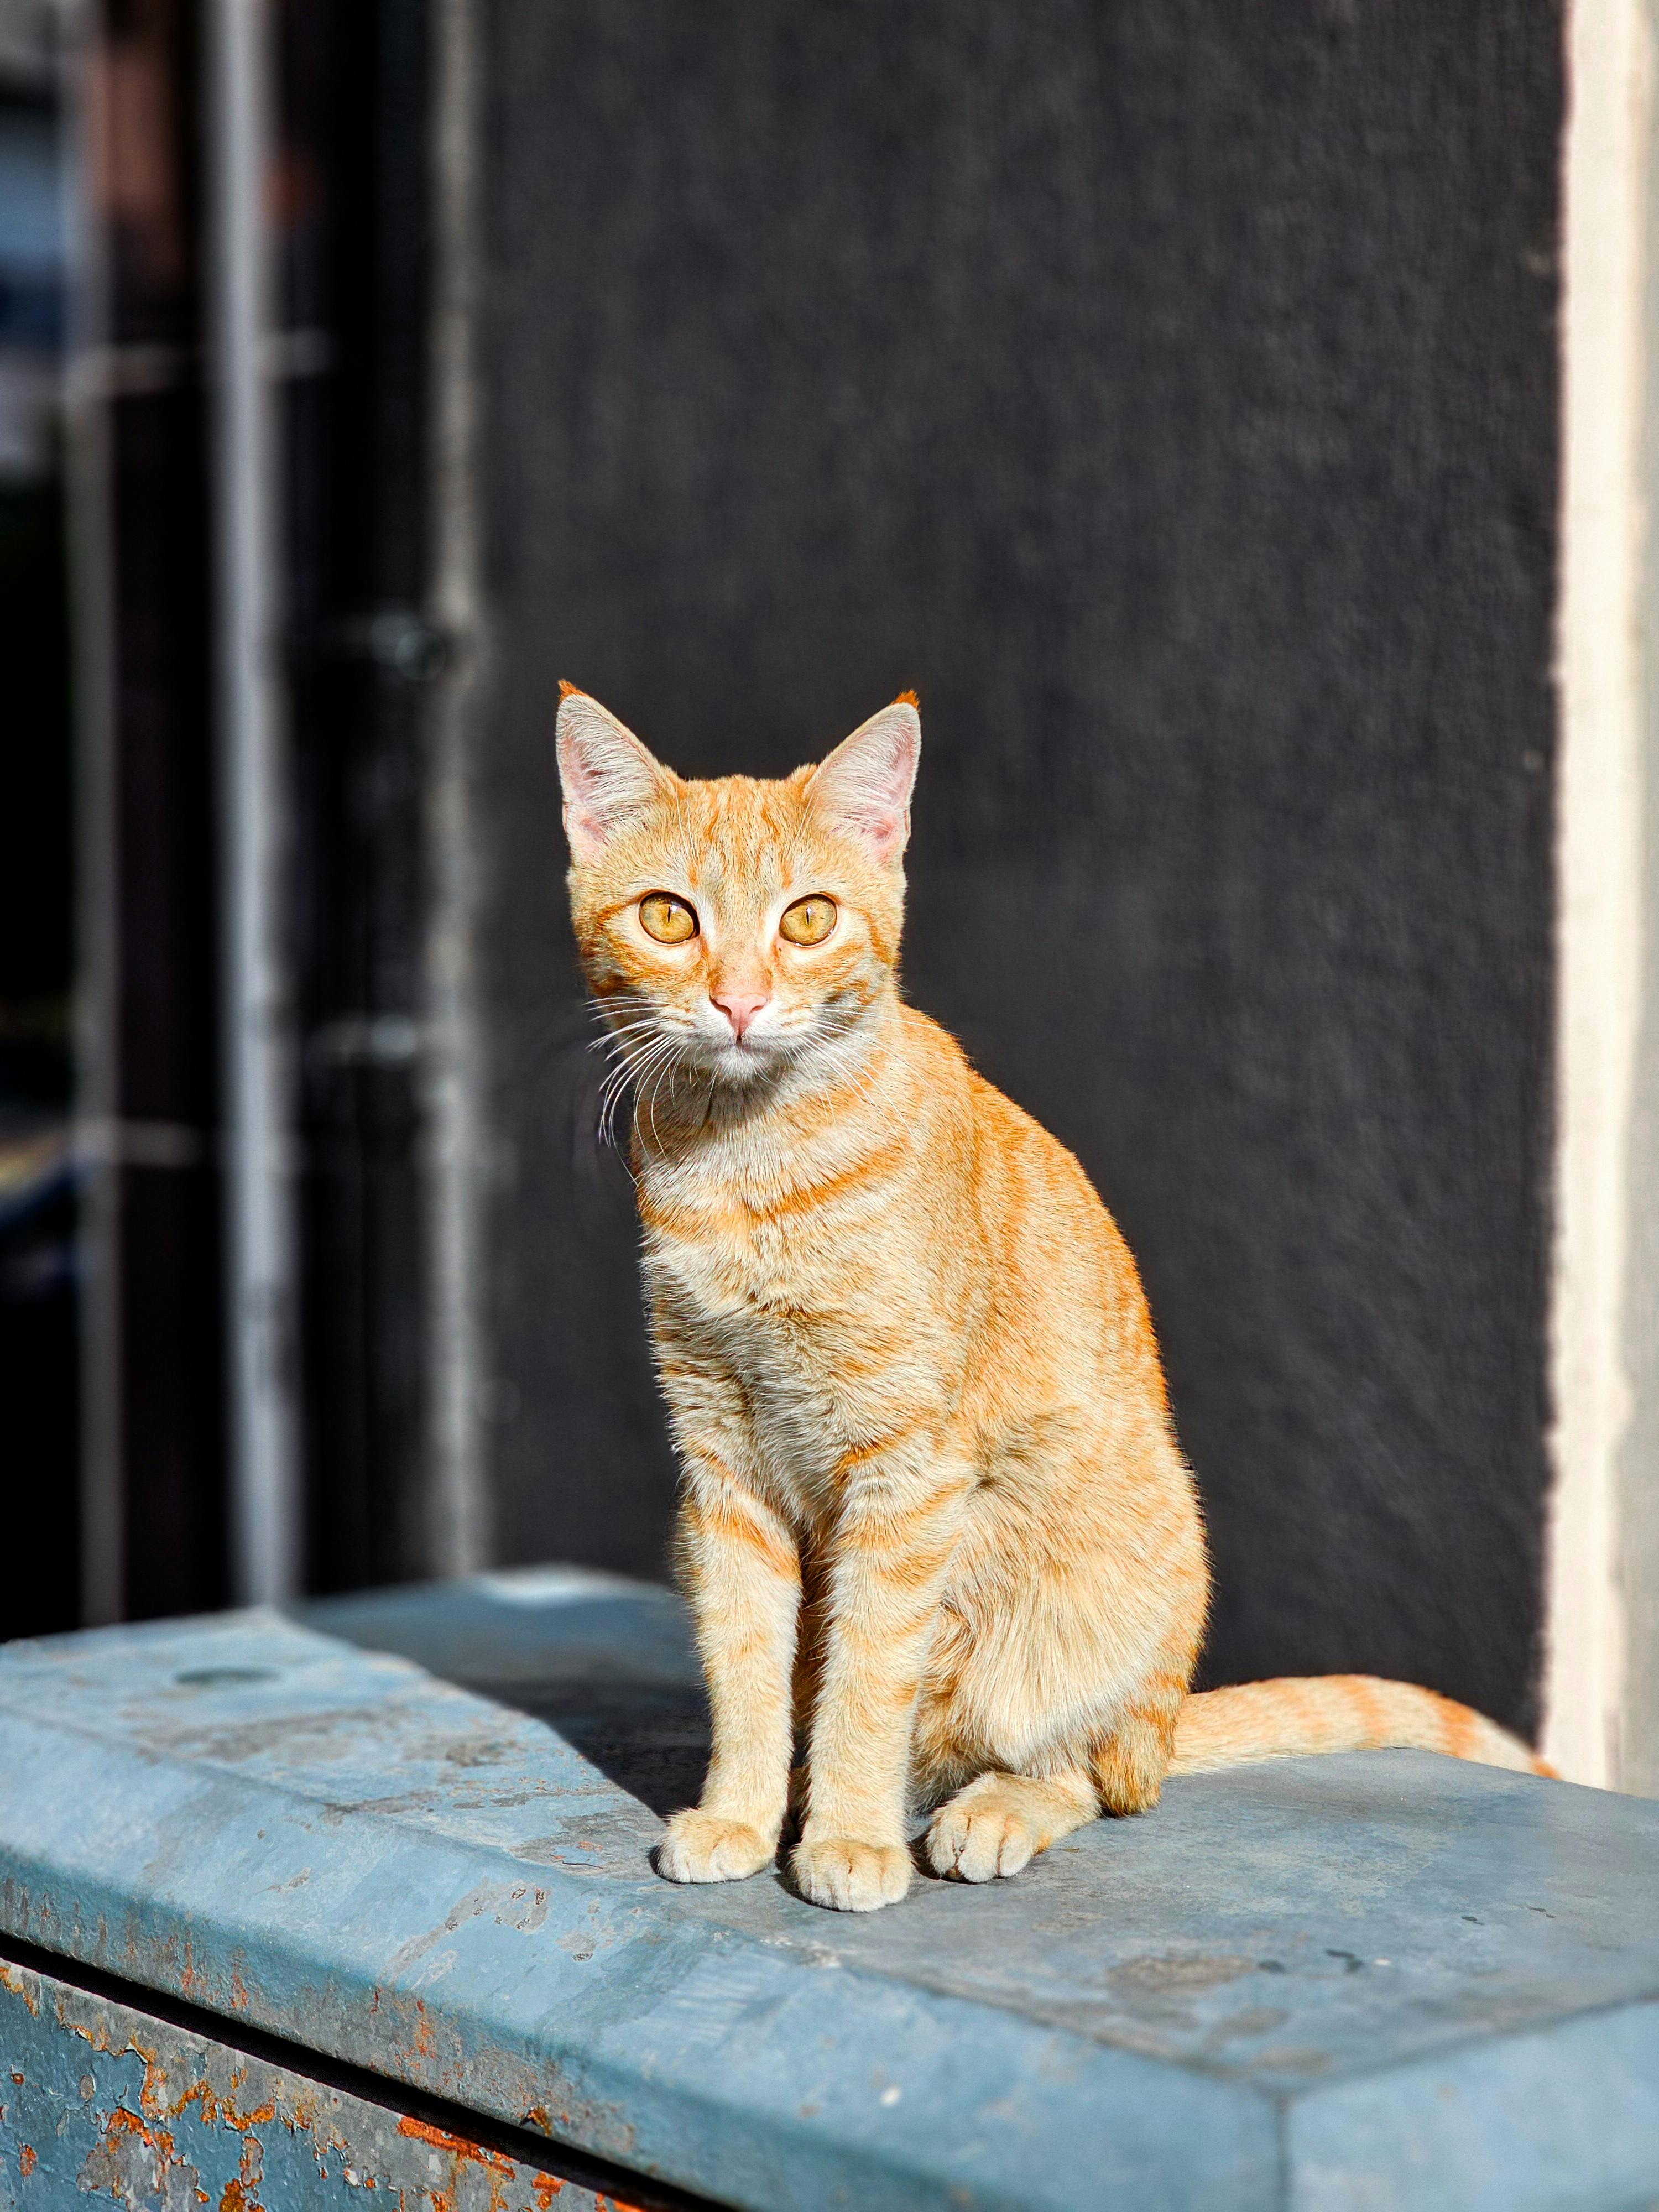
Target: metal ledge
{"type": "Point", "coordinates": [1370, 1981]}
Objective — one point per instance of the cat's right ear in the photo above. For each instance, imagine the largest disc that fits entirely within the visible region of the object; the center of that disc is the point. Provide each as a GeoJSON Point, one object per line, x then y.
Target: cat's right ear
{"type": "Point", "coordinates": [606, 774]}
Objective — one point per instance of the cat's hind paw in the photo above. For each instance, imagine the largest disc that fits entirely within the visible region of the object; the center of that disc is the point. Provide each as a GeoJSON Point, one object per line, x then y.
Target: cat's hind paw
{"type": "Point", "coordinates": [705, 1847]}
{"type": "Point", "coordinates": [849, 1876]}
{"type": "Point", "coordinates": [977, 1838]}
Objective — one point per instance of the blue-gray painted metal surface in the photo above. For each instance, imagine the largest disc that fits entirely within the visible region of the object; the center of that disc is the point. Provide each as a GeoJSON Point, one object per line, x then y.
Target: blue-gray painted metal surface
{"type": "Point", "coordinates": [98, 2099]}
{"type": "Point", "coordinates": [1386, 1980]}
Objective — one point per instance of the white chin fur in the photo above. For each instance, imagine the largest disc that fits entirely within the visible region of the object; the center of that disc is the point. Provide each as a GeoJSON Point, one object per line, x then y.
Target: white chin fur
{"type": "Point", "coordinates": [742, 1063]}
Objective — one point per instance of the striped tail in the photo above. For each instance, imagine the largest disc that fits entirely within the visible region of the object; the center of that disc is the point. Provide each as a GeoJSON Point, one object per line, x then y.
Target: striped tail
{"type": "Point", "coordinates": [1335, 1712]}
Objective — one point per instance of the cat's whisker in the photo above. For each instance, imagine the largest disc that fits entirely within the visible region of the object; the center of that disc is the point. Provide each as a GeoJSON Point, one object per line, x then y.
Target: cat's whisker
{"type": "Point", "coordinates": [622, 1009]}
{"type": "Point", "coordinates": [624, 1072]}
{"type": "Point", "coordinates": [662, 1066]}
{"type": "Point", "coordinates": [651, 1100]}
{"type": "Point", "coordinates": [635, 1064]}
{"type": "Point", "coordinates": [645, 1025]}
{"type": "Point", "coordinates": [616, 1083]}
{"type": "Point", "coordinates": [627, 1047]}
{"type": "Point", "coordinates": [636, 1025]}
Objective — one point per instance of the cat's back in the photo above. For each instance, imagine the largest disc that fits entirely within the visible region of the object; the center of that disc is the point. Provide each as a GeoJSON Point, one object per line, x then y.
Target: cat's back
{"type": "Point", "coordinates": [1057, 1252]}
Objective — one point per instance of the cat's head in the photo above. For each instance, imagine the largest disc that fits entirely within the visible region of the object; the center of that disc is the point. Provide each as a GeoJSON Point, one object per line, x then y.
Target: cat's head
{"type": "Point", "coordinates": [748, 926]}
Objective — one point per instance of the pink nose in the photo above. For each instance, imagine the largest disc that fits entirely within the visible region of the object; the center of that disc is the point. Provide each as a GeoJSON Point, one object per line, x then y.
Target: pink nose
{"type": "Point", "coordinates": [740, 1007]}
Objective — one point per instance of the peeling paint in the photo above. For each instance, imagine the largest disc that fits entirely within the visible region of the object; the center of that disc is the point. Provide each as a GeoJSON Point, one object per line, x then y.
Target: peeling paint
{"type": "Point", "coordinates": [509, 1904]}
{"type": "Point", "coordinates": [21, 1984]}
{"type": "Point", "coordinates": [139, 2166]}
{"type": "Point", "coordinates": [171, 2121]}
{"type": "Point", "coordinates": [498, 2172]}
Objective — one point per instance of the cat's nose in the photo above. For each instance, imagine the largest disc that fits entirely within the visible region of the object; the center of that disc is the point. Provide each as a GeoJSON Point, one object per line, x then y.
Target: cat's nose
{"type": "Point", "coordinates": [740, 1007]}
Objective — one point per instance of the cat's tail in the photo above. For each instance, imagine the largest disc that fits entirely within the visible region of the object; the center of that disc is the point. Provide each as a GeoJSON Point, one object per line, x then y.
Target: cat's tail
{"type": "Point", "coordinates": [1335, 1712]}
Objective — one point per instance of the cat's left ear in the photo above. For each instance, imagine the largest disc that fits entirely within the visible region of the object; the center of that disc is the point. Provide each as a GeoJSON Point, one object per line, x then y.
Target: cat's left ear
{"type": "Point", "coordinates": [864, 787]}
{"type": "Point", "coordinates": [606, 774]}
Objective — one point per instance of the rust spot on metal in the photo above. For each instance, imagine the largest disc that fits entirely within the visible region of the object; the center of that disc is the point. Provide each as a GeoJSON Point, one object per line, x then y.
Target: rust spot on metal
{"type": "Point", "coordinates": [132, 2161]}
{"type": "Point", "coordinates": [546, 2187]}
{"type": "Point", "coordinates": [20, 1984]}
{"type": "Point", "coordinates": [424, 2134]}
{"type": "Point", "coordinates": [155, 2097]}
{"type": "Point", "coordinates": [26, 2161]}
{"type": "Point", "coordinates": [462, 2152]}
{"type": "Point", "coordinates": [237, 2196]}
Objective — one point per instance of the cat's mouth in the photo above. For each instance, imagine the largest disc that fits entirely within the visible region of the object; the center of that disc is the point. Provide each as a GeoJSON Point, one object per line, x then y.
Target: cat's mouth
{"type": "Point", "coordinates": [741, 1059]}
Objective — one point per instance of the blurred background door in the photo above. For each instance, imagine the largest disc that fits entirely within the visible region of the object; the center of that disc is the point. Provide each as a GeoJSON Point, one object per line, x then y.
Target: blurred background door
{"type": "Point", "coordinates": [38, 1305]}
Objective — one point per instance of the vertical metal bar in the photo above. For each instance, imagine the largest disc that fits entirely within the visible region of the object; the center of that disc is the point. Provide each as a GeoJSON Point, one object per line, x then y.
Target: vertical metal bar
{"type": "Point", "coordinates": [90, 493]}
{"type": "Point", "coordinates": [459, 1536]}
{"type": "Point", "coordinates": [257, 998]}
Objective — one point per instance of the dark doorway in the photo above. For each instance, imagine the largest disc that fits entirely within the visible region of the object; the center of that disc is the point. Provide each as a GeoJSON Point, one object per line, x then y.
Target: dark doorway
{"type": "Point", "coordinates": [39, 1301]}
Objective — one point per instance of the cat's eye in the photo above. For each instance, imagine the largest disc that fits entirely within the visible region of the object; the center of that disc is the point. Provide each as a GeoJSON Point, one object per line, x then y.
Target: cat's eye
{"type": "Point", "coordinates": [809, 921]}
{"type": "Point", "coordinates": [668, 919]}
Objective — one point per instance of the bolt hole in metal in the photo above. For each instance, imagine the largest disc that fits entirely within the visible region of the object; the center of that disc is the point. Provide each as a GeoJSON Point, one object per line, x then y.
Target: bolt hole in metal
{"type": "Point", "coordinates": [213, 1678]}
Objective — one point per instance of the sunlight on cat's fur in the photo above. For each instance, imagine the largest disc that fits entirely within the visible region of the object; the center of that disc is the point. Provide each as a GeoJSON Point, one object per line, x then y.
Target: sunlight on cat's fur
{"type": "Point", "coordinates": [935, 1520]}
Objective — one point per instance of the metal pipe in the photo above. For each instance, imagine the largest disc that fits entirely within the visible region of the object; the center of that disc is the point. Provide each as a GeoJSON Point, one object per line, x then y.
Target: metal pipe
{"type": "Point", "coordinates": [456, 1082]}
{"type": "Point", "coordinates": [256, 1017]}
{"type": "Point", "coordinates": [88, 486]}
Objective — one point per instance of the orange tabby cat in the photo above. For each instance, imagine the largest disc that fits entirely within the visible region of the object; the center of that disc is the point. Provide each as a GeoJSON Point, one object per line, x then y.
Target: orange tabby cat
{"type": "Point", "coordinates": [935, 1518]}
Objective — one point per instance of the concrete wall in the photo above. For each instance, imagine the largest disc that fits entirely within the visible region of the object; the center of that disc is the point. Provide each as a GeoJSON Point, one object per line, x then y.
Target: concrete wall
{"type": "Point", "coordinates": [1168, 389]}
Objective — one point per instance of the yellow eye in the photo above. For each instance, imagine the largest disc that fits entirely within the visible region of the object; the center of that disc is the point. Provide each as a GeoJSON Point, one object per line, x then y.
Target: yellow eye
{"type": "Point", "coordinates": [809, 921]}
{"type": "Point", "coordinates": [668, 919]}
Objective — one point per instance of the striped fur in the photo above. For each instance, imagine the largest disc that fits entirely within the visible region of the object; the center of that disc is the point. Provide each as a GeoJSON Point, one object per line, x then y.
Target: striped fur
{"type": "Point", "coordinates": [1335, 1712]}
{"type": "Point", "coordinates": [935, 1524]}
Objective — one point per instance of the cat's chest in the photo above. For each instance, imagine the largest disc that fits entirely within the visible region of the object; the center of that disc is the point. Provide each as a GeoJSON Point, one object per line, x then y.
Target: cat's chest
{"type": "Point", "coordinates": [753, 1269]}
{"type": "Point", "coordinates": [738, 1272]}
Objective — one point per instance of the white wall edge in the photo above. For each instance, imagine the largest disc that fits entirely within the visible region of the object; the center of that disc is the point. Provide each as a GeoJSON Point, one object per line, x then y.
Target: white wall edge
{"type": "Point", "coordinates": [1600, 793]}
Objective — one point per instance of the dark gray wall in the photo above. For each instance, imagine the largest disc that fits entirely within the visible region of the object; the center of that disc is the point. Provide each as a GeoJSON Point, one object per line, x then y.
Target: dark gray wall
{"type": "Point", "coordinates": [1166, 388]}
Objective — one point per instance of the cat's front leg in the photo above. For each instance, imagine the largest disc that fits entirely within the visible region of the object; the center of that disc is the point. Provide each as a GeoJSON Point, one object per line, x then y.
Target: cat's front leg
{"type": "Point", "coordinates": [741, 1572]}
{"type": "Point", "coordinates": [890, 1555]}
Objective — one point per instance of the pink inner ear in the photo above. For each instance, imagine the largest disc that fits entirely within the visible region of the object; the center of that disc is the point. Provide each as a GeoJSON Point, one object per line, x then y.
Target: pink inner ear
{"type": "Point", "coordinates": [606, 772]}
{"type": "Point", "coordinates": [585, 783]}
{"type": "Point", "coordinates": [888, 833]}
{"type": "Point", "coordinates": [585, 788]}
{"type": "Point", "coordinates": [864, 785]}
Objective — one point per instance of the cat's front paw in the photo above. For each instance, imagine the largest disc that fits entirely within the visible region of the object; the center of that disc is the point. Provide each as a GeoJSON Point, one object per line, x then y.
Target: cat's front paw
{"type": "Point", "coordinates": [850, 1876]}
{"type": "Point", "coordinates": [706, 1847]}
